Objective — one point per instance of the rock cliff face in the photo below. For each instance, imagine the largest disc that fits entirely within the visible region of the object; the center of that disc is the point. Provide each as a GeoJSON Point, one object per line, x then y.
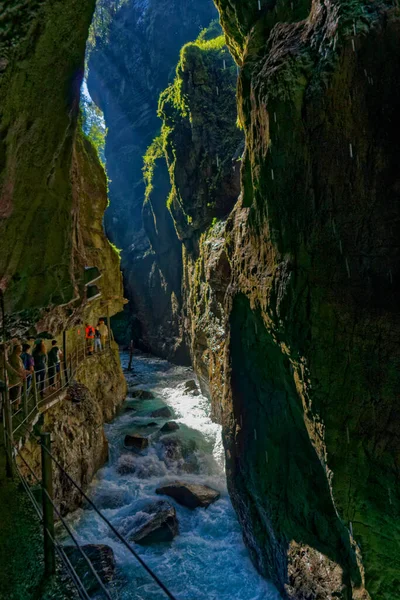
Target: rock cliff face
{"type": "Point", "coordinates": [53, 195]}
{"type": "Point", "coordinates": [52, 187]}
{"type": "Point", "coordinates": [76, 425]}
{"type": "Point", "coordinates": [297, 301]}
{"type": "Point", "coordinates": [128, 69]}
{"type": "Point", "coordinates": [290, 302]}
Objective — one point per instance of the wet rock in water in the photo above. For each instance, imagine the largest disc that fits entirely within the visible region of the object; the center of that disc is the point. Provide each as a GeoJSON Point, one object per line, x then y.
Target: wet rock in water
{"type": "Point", "coordinates": [130, 408]}
{"type": "Point", "coordinates": [170, 426]}
{"type": "Point", "coordinates": [102, 559]}
{"type": "Point", "coordinates": [160, 524]}
{"type": "Point", "coordinates": [164, 413]}
{"type": "Point", "coordinates": [141, 394]}
{"type": "Point", "coordinates": [191, 387]}
{"type": "Point", "coordinates": [126, 464]}
{"type": "Point", "coordinates": [172, 449]}
{"type": "Point", "coordinates": [142, 425]}
{"type": "Point", "coordinates": [106, 499]}
{"type": "Point", "coordinates": [136, 441]}
{"type": "Point", "coordinates": [189, 495]}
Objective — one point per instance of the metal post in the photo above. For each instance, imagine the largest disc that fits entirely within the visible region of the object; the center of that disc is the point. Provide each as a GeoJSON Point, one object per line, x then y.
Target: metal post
{"type": "Point", "coordinates": [35, 390]}
{"type": "Point", "coordinates": [8, 433]}
{"type": "Point", "coordinates": [109, 325]}
{"type": "Point", "coordinates": [48, 513]}
{"type": "Point", "coordinates": [25, 399]}
{"type": "Point", "coordinates": [130, 356]}
{"type": "Point", "coordinates": [65, 357]}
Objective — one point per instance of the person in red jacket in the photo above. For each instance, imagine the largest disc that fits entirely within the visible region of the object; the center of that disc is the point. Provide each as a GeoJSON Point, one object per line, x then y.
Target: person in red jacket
{"type": "Point", "coordinates": [89, 335]}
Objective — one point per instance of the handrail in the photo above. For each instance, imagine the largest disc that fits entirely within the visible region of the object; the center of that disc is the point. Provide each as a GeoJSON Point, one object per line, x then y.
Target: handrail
{"type": "Point", "coordinates": [110, 525]}
{"type": "Point", "coordinates": [76, 580]}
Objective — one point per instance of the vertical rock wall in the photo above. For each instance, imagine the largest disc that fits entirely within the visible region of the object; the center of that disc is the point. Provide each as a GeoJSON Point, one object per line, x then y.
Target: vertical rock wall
{"type": "Point", "coordinates": [128, 69]}
{"type": "Point", "coordinates": [311, 407]}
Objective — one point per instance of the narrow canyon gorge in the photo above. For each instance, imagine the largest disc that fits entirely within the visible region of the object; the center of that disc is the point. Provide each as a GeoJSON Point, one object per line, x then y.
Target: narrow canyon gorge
{"type": "Point", "coordinates": [218, 181]}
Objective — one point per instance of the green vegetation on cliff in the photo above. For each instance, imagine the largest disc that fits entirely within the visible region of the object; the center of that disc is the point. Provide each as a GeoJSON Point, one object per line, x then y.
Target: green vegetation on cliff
{"type": "Point", "coordinates": [199, 135]}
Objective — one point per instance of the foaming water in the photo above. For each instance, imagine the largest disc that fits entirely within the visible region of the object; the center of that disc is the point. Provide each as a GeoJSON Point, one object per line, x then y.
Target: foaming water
{"type": "Point", "coordinates": [208, 558]}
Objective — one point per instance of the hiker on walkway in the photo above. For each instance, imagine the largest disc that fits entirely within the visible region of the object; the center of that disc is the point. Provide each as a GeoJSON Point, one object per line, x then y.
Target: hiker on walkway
{"type": "Point", "coordinates": [53, 364]}
{"type": "Point", "coordinates": [97, 339]}
{"type": "Point", "coordinates": [89, 335]}
{"type": "Point", "coordinates": [29, 364]}
{"type": "Point", "coordinates": [103, 329]}
{"type": "Point", "coordinates": [40, 359]}
{"type": "Point", "coordinates": [16, 378]}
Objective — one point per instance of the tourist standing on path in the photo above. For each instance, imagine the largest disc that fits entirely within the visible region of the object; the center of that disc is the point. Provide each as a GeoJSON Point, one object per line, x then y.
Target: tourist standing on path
{"type": "Point", "coordinates": [89, 335]}
{"type": "Point", "coordinates": [29, 364]}
{"type": "Point", "coordinates": [97, 339]}
{"type": "Point", "coordinates": [40, 359]}
{"type": "Point", "coordinates": [53, 363]}
{"type": "Point", "coordinates": [16, 379]}
{"type": "Point", "coordinates": [103, 329]}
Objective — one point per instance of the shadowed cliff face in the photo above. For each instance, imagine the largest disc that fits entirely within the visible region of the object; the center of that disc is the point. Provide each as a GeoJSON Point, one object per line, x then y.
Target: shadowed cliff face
{"type": "Point", "coordinates": [52, 187]}
{"type": "Point", "coordinates": [127, 72]}
{"type": "Point", "coordinates": [311, 413]}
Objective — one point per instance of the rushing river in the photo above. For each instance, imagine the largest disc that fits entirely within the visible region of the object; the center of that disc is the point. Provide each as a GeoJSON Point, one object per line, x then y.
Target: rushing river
{"type": "Point", "coordinates": [208, 559]}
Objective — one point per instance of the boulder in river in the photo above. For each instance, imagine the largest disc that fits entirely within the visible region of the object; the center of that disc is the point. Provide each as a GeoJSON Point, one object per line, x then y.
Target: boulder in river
{"type": "Point", "coordinates": [160, 524]}
{"type": "Point", "coordinates": [163, 413]}
{"type": "Point", "coordinates": [141, 394]}
{"type": "Point", "coordinates": [136, 441]}
{"type": "Point", "coordinates": [191, 387]}
{"type": "Point", "coordinates": [169, 427]}
{"type": "Point", "coordinates": [102, 559]}
{"type": "Point", "coordinates": [189, 494]}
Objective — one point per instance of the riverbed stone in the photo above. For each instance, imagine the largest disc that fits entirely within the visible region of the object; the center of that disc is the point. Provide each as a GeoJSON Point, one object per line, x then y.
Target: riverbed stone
{"type": "Point", "coordinates": [163, 412]}
{"type": "Point", "coordinates": [141, 394]}
{"type": "Point", "coordinates": [189, 494]}
{"type": "Point", "coordinates": [169, 427]}
{"type": "Point", "coordinates": [136, 441]}
{"type": "Point", "coordinates": [161, 524]}
{"type": "Point", "coordinates": [102, 558]}
{"type": "Point", "coordinates": [191, 387]}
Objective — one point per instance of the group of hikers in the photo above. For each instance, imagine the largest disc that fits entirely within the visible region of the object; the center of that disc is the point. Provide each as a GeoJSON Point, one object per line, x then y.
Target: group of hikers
{"type": "Point", "coordinates": [96, 337]}
{"type": "Point", "coordinates": [21, 364]}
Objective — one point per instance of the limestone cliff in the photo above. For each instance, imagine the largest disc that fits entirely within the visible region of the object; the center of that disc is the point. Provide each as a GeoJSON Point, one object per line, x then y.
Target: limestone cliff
{"type": "Point", "coordinates": [52, 187]}
{"type": "Point", "coordinates": [291, 303]}
{"type": "Point", "coordinates": [304, 373]}
{"type": "Point", "coordinates": [57, 268]}
{"type": "Point", "coordinates": [76, 425]}
{"type": "Point", "coordinates": [128, 68]}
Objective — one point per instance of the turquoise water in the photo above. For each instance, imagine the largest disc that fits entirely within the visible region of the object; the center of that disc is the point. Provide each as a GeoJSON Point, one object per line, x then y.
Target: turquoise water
{"type": "Point", "coordinates": [208, 558]}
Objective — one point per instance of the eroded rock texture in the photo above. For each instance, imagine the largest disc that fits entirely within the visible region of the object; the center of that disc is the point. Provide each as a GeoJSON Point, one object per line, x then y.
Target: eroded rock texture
{"type": "Point", "coordinates": [310, 373]}
{"type": "Point", "coordinates": [52, 188]}
{"type": "Point", "coordinates": [290, 302]}
{"type": "Point", "coordinates": [127, 71]}
{"type": "Point", "coordinates": [53, 194]}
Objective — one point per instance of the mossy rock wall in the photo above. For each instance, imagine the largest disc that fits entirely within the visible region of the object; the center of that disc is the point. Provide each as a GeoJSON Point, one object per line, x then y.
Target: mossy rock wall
{"type": "Point", "coordinates": [52, 187]}
{"type": "Point", "coordinates": [310, 365]}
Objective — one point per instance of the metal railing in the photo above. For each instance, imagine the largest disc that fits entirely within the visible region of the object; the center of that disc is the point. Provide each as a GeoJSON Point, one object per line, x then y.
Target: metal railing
{"type": "Point", "coordinates": [42, 387]}
{"type": "Point", "coordinates": [48, 507]}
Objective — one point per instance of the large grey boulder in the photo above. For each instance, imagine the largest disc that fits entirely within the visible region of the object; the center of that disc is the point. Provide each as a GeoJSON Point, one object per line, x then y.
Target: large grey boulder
{"type": "Point", "coordinates": [189, 494]}
{"type": "Point", "coordinates": [159, 524]}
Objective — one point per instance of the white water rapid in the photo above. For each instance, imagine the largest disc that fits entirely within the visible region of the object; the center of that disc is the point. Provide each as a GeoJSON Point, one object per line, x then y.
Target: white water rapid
{"type": "Point", "coordinates": [208, 559]}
